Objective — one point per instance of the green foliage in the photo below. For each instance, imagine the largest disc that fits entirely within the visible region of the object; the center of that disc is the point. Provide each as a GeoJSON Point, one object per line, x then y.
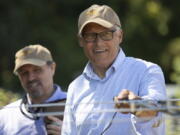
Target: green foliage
{"type": "Point", "coordinates": [175, 76]}
{"type": "Point", "coordinates": [171, 59]}
{"type": "Point", "coordinates": [7, 97]}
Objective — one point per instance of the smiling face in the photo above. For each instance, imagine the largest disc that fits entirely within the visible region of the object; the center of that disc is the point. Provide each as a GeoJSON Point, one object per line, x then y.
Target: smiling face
{"type": "Point", "coordinates": [37, 81]}
{"type": "Point", "coordinates": [101, 53]}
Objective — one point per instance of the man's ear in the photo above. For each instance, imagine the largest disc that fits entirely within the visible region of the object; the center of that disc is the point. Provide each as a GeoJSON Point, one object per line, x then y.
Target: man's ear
{"type": "Point", "coordinates": [53, 67]}
{"type": "Point", "coordinates": [81, 42]}
{"type": "Point", "coordinates": [120, 34]}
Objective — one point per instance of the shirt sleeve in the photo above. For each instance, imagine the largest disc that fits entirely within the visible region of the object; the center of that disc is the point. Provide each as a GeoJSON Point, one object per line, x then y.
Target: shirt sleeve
{"type": "Point", "coordinates": [1, 122]}
{"type": "Point", "coordinates": [152, 87]}
{"type": "Point", "coordinates": [155, 126]}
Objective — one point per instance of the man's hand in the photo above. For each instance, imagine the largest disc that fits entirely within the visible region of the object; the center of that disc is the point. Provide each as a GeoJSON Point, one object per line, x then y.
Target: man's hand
{"type": "Point", "coordinates": [128, 95]}
{"type": "Point", "coordinates": [53, 126]}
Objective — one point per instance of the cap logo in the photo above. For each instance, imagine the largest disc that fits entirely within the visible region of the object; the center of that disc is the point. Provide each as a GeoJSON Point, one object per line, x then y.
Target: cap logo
{"type": "Point", "coordinates": [92, 12]}
{"type": "Point", "coordinates": [25, 53]}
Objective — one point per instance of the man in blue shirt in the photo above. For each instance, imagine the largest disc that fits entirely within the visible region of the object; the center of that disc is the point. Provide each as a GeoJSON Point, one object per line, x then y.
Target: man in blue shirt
{"type": "Point", "coordinates": [35, 69]}
{"type": "Point", "coordinates": [108, 74]}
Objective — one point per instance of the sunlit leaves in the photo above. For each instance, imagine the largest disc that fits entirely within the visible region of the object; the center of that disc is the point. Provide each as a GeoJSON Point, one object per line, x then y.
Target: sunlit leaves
{"type": "Point", "coordinates": [7, 97]}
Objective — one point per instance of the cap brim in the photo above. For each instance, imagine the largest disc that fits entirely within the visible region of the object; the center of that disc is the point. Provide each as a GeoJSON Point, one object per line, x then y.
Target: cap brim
{"type": "Point", "coordinates": [35, 62]}
{"type": "Point", "coordinates": [99, 21]}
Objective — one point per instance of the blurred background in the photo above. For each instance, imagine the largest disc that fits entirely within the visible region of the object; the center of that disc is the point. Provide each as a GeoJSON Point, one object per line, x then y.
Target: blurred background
{"type": "Point", "coordinates": [151, 32]}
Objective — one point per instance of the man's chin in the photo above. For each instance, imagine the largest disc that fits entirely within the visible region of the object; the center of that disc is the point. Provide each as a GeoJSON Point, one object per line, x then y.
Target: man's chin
{"type": "Point", "coordinates": [35, 95]}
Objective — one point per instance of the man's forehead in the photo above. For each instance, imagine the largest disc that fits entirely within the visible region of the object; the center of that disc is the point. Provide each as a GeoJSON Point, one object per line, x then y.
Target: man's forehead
{"type": "Point", "coordinates": [93, 26]}
{"type": "Point", "coordinates": [28, 66]}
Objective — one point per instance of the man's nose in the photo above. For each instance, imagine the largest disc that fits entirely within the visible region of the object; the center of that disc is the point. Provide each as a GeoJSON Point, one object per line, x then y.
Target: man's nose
{"type": "Point", "coordinates": [98, 40]}
{"type": "Point", "coordinates": [31, 76]}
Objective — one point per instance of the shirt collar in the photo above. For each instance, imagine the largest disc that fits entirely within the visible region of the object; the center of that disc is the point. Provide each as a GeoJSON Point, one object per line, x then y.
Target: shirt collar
{"type": "Point", "coordinates": [57, 95]}
{"type": "Point", "coordinates": [119, 60]}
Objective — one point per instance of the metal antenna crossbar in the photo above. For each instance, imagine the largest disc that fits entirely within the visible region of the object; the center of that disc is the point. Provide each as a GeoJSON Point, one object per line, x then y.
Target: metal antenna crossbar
{"type": "Point", "coordinates": [169, 106]}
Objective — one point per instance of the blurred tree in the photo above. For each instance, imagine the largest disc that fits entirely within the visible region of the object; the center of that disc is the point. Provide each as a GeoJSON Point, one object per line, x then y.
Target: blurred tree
{"type": "Point", "coordinates": [7, 97]}
{"type": "Point", "coordinates": [171, 60]}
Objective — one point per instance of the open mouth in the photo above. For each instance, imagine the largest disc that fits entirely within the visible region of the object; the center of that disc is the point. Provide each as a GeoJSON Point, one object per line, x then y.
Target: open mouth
{"type": "Point", "coordinates": [100, 50]}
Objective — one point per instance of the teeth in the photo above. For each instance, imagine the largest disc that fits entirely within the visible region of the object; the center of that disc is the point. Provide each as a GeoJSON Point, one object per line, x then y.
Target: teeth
{"type": "Point", "coordinates": [102, 50]}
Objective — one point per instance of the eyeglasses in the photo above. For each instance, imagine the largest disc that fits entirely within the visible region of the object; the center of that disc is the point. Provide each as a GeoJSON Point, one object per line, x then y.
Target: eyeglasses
{"type": "Point", "coordinates": [105, 35]}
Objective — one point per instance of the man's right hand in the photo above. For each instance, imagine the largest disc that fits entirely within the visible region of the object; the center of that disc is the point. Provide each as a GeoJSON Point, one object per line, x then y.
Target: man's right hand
{"type": "Point", "coordinates": [54, 126]}
{"type": "Point", "coordinates": [128, 95]}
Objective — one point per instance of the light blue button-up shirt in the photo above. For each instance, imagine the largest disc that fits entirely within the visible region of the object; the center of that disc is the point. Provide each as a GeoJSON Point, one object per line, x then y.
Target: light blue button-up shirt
{"type": "Point", "coordinates": [13, 122]}
{"type": "Point", "coordinates": [83, 114]}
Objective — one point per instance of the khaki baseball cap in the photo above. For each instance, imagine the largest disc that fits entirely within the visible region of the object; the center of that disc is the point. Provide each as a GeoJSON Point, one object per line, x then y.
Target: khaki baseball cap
{"type": "Point", "coordinates": [32, 54]}
{"type": "Point", "coordinates": [100, 14]}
